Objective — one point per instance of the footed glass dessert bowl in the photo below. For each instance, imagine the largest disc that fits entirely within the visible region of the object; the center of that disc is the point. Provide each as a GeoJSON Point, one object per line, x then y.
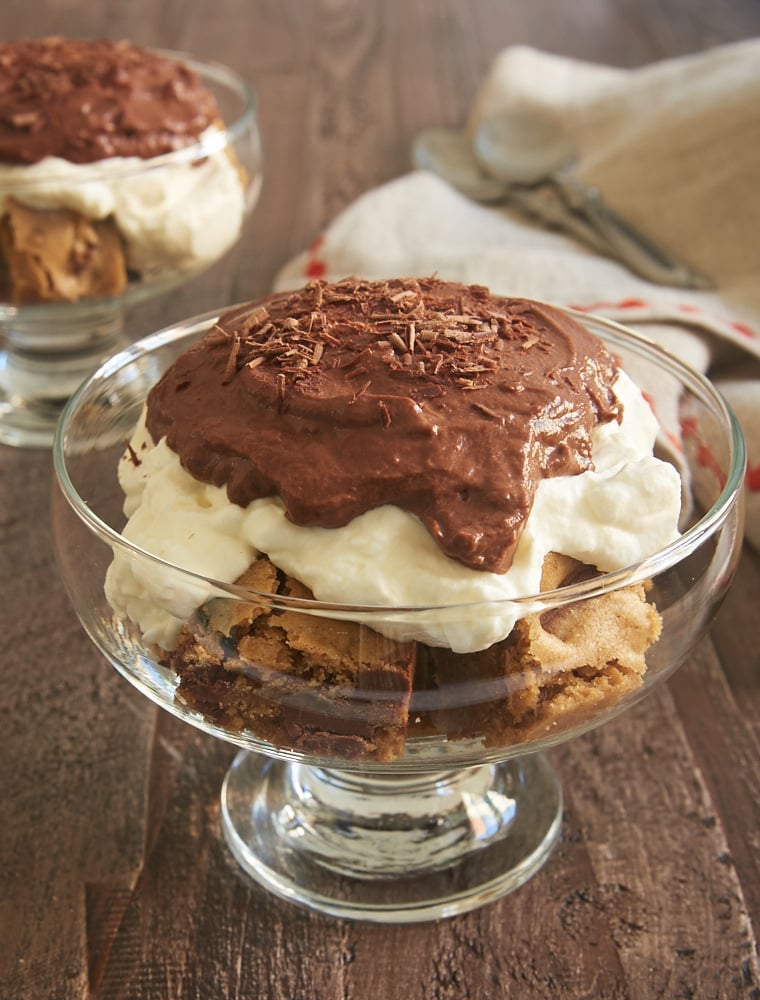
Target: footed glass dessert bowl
{"type": "Point", "coordinates": [383, 773]}
{"type": "Point", "coordinates": [81, 243]}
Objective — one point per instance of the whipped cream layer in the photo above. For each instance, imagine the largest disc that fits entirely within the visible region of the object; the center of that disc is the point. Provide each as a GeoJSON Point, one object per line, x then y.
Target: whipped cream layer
{"type": "Point", "coordinates": [171, 216]}
{"type": "Point", "coordinates": [613, 515]}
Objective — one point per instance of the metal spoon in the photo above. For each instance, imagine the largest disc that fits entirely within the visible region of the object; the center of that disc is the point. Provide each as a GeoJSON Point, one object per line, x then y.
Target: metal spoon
{"type": "Point", "coordinates": [528, 149]}
{"type": "Point", "coordinates": [448, 153]}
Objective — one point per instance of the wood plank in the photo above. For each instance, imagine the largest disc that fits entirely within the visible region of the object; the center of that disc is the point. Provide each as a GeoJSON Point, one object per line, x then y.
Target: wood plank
{"type": "Point", "coordinates": [658, 846]}
{"type": "Point", "coordinates": [72, 784]}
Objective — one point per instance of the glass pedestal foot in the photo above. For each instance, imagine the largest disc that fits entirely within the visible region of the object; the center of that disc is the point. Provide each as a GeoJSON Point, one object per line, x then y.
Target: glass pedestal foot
{"type": "Point", "coordinates": [389, 847]}
{"type": "Point", "coordinates": [47, 352]}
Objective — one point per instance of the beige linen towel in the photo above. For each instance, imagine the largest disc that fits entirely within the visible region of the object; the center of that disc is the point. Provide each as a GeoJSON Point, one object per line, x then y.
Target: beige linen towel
{"type": "Point", "coordinates": [674, 147]}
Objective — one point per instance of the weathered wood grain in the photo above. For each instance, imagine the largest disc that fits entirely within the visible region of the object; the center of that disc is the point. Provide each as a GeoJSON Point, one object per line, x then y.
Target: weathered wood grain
{"type": "Point", "coordinates": [114, 878]}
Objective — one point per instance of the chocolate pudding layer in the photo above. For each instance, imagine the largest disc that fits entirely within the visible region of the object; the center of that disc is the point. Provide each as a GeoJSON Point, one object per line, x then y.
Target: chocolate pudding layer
{"type": "Point", "coordinates": [439, 398]}
{"type": "Point", "coordinates": [85, 101]}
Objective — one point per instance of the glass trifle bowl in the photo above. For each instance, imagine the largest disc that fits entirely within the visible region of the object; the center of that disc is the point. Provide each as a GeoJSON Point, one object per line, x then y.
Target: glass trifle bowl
{"type": "Point", "coordinates": [383, 773]}
{"type": "Point", "coordinates": [83, 241]}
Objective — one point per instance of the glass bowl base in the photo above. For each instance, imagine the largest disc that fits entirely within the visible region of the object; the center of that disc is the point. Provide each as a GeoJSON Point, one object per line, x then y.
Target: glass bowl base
{"type": "Point", "coordinates": [390, 848]}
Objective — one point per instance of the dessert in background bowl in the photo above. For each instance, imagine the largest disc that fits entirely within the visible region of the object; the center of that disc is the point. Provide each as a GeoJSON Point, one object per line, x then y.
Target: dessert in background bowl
{"type": "Point", "coordinates": [123, 172]}
{"type": "Point", "coordinates": [392, 539]}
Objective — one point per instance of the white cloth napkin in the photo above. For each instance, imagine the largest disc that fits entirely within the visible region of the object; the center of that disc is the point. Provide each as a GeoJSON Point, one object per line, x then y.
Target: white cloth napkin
{"type": "Point", "coordinates": [674, 147]}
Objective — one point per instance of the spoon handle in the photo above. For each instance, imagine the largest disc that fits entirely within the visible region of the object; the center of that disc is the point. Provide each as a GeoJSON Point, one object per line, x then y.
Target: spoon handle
{"type": "Point", "coordinates": [448, 153]}
{"type": "Point", "coordinates": [624, 240]}
{"type": "Point", "coordinates": [544, 205]}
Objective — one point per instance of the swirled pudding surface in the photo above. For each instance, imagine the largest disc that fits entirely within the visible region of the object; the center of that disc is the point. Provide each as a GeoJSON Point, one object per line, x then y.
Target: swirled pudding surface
{"type": "Point", "coordinates": [439, 398]}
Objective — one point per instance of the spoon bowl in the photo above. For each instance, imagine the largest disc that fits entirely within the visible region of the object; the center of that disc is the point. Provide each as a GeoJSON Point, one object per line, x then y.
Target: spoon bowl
{"type": "Point", "coordinates": [529, 148]}
{"type": "Point", "coordinates": [523, 148]}
{"type": "Point", "coordinates": [448, 153]}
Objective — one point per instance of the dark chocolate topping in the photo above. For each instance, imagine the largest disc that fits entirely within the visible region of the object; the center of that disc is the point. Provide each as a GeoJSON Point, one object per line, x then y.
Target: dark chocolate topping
{"type": "Point", "coordinates": [88, 100]}
{"type": "Point", "coordinates": [437, 397]}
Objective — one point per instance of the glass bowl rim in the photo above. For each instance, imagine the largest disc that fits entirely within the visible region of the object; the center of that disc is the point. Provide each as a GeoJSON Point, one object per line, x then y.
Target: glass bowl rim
{"type": "Point", "coordinates": [207, 145]}
{"type": "Point", "coordinates": [647, 568]}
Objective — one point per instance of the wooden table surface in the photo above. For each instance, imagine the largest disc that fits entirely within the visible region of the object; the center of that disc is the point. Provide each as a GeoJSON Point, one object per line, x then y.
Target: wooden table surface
{"type": "Point", "coordinates": [114, 878]}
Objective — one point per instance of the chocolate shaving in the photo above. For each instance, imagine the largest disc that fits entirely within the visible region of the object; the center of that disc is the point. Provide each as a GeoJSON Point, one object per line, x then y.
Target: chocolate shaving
{"type": "Point", "coordinates": [231, 366]}
{"type": "Point", "coordinates": [133, 456]}
{"type": "Point", "coordinates": [385, 412]}
{"type": "Point", "coordinates": [397, 342]}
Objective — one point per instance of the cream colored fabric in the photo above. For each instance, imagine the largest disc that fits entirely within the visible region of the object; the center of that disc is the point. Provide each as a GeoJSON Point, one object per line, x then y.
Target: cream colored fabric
{"type": "Point", "coordinates": [674, 147]}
